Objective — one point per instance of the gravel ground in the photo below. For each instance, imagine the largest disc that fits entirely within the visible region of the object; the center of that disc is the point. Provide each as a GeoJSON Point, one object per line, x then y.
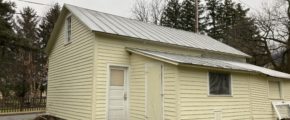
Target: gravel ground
{"type": "Point", "coordinates": [20, 117]}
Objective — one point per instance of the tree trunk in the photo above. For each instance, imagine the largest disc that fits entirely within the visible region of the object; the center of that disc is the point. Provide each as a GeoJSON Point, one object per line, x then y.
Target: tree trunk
{"type": "Point", "coordinates": [288, 42]}
{"type": "Point", "coordinates": [21, 102]}
{"type": "Point", "coordinates": [288, 59]}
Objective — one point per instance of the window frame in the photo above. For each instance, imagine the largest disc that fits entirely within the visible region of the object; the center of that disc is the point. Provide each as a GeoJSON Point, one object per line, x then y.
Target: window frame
{"type": "Point", "coordinates": [68, 37]}
{"type": "Point", "coordinates": [221, 95]}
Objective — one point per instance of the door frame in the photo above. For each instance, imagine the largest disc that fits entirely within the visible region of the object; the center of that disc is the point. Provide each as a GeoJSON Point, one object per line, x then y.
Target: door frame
{"type": "Point", "coordinates": [162, 89]}
{"type": "Point", "coordinates": [127, 82]}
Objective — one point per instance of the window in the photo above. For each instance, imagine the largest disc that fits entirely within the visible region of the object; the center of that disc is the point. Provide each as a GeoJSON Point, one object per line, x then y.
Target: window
{"type": "Point", "coordinates": [117, 77]}
{"type": "Point", "coordinates": [68, 29]}
{"type": "Point", "coordinates": [219, 84]}
{"type": "Point", "coordinates": [274, 89]}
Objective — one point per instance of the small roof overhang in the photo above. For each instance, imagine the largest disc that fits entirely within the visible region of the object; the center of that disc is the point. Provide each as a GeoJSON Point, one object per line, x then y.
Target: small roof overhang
{"type": "Point", "coordinates": [184, 60]}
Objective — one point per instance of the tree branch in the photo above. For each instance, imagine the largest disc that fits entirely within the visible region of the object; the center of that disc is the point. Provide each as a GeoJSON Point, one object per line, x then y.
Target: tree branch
{"type": "Point", "coordinates": [274, 39]}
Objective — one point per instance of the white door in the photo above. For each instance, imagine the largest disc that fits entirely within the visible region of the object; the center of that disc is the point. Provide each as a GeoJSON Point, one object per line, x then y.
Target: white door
{"type": "Point", "coordinates": [117, 94]}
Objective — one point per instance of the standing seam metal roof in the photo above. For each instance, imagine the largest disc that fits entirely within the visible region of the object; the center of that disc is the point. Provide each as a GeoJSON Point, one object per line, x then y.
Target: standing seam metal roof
{"type": "Point", "coordinates": [112, 24]}
{"type": "Point", "coordinates": [208, 62]}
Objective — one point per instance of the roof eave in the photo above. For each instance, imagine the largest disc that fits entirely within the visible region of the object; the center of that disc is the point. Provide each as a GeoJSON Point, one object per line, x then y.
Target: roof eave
{"type": "Point", "coordinates": [216, 68]}
{"type": "Point", "coordinates": [153, 57]}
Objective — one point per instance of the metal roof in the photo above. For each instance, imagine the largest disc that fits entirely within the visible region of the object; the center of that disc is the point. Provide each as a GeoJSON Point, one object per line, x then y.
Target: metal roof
{"type": "Point", "coordinates": [208, 62]}
{"type": "Point", "coordinates": [112, 24]}
{"type": "Point", "coordinates": [262, 70]}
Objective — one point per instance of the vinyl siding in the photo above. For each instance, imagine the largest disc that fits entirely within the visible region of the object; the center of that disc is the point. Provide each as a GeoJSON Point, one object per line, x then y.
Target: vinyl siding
{"type": "Point", "coordinates": [196, 104]}
{"type": "Point", "coordinates": [274, 89]}
{"type": "Point", "coordinates": [80, 68]}
{"type": "Point", "coordinates": [261, 97]}
{"type": "Point", "coordinates": [187, 85]}
{"type": "Point", "coordinates": [251, 99]}
{"type": "Point", "coordinates": [112, 50]}
{"type": "Point", "coordinates": [285, 90]}
{"type": "Point", "coordinates": [70, 74]}
{"type": "Point", "coordinates": [170, 92]}
{"type": "Point", "coordinates": [137, 87]}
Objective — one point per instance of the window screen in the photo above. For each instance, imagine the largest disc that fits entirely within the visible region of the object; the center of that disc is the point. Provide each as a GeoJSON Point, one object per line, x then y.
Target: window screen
{"type": "Point", "coordinates": [274, 89]}
{"type": "Point", "coordinates": [117, 77]}
{"type": "Point", "coordinates": [219, 84]}
{"type": "Point", "coordinates": [282, 109]}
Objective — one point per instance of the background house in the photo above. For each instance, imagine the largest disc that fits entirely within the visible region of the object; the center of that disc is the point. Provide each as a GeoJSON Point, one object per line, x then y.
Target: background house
{"type": "Point", "coordinates": [103, 66]}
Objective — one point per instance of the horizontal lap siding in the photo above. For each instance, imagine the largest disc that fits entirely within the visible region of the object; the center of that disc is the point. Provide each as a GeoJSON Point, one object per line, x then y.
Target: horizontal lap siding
{"type": "Point", "coordinates": [107, 53]}
{"type": "Point", "coordinates": [196, 104]}
{"type": "Point", "coordinates": [70, 74]}
{"type": "Point", "coordinates": [261, 104]}
{"type": "Point", "coordinates": [286, 90]}
{"type": "Point", "coordinates": [261, 101]}
{"type": "Point", "coordinates": [112, 41]}
{"type": "Point", "coordinates": [170, 93]}
{"type": "Point", "coordinates": [137, 87]}
{"type": "Point", "coordinates": [112, 50]}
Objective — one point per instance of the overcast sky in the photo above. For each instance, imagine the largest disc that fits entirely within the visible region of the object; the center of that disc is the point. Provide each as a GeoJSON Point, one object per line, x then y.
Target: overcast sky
{"type": "Point", "coordinates": [117, 7]}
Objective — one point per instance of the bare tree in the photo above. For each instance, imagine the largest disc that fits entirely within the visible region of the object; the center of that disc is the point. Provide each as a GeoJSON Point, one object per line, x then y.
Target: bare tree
{"type": "Point", "coordinates": [148, 11]}
{"type": "Point", "coordinates": [156, 9]}
{"type": "Point", "coordinates": [140, 10]}
{"type": "Point", "coordinates": [274, 24]}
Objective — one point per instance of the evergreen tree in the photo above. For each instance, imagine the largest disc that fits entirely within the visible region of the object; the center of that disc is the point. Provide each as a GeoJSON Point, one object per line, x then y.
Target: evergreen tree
{"type": "Point", "coordinates": [26, 27]}
{"type": "Point", "coordinates": [214, 10]}
{"type": "Point", "coordinates": [244, 35]}
{"type": "Point", "coordinates": [7, 47]}
{"type": "Point", "coordinates": [240, 32]}
{"type": "Point", "coordinates": [187, 16]}
{"type": "Point", "coordinates": [171, 15]}
{"type": "Point", "coordinates": [6, 15]}
{"type": "Point", "coordinates": [47, 24]}
{"type": "Point", "coordinates": [45, 29]}
{"type": "Point", "coordinates": [230, 17]}
{"type": "Point", "coordinates": [6, 32]}
{"type": "Point", "coordinates": [229, 23]}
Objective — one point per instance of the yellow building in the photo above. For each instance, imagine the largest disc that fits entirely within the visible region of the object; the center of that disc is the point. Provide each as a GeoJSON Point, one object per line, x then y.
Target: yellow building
{"type": "Point", "coordinates": [106, 67]}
